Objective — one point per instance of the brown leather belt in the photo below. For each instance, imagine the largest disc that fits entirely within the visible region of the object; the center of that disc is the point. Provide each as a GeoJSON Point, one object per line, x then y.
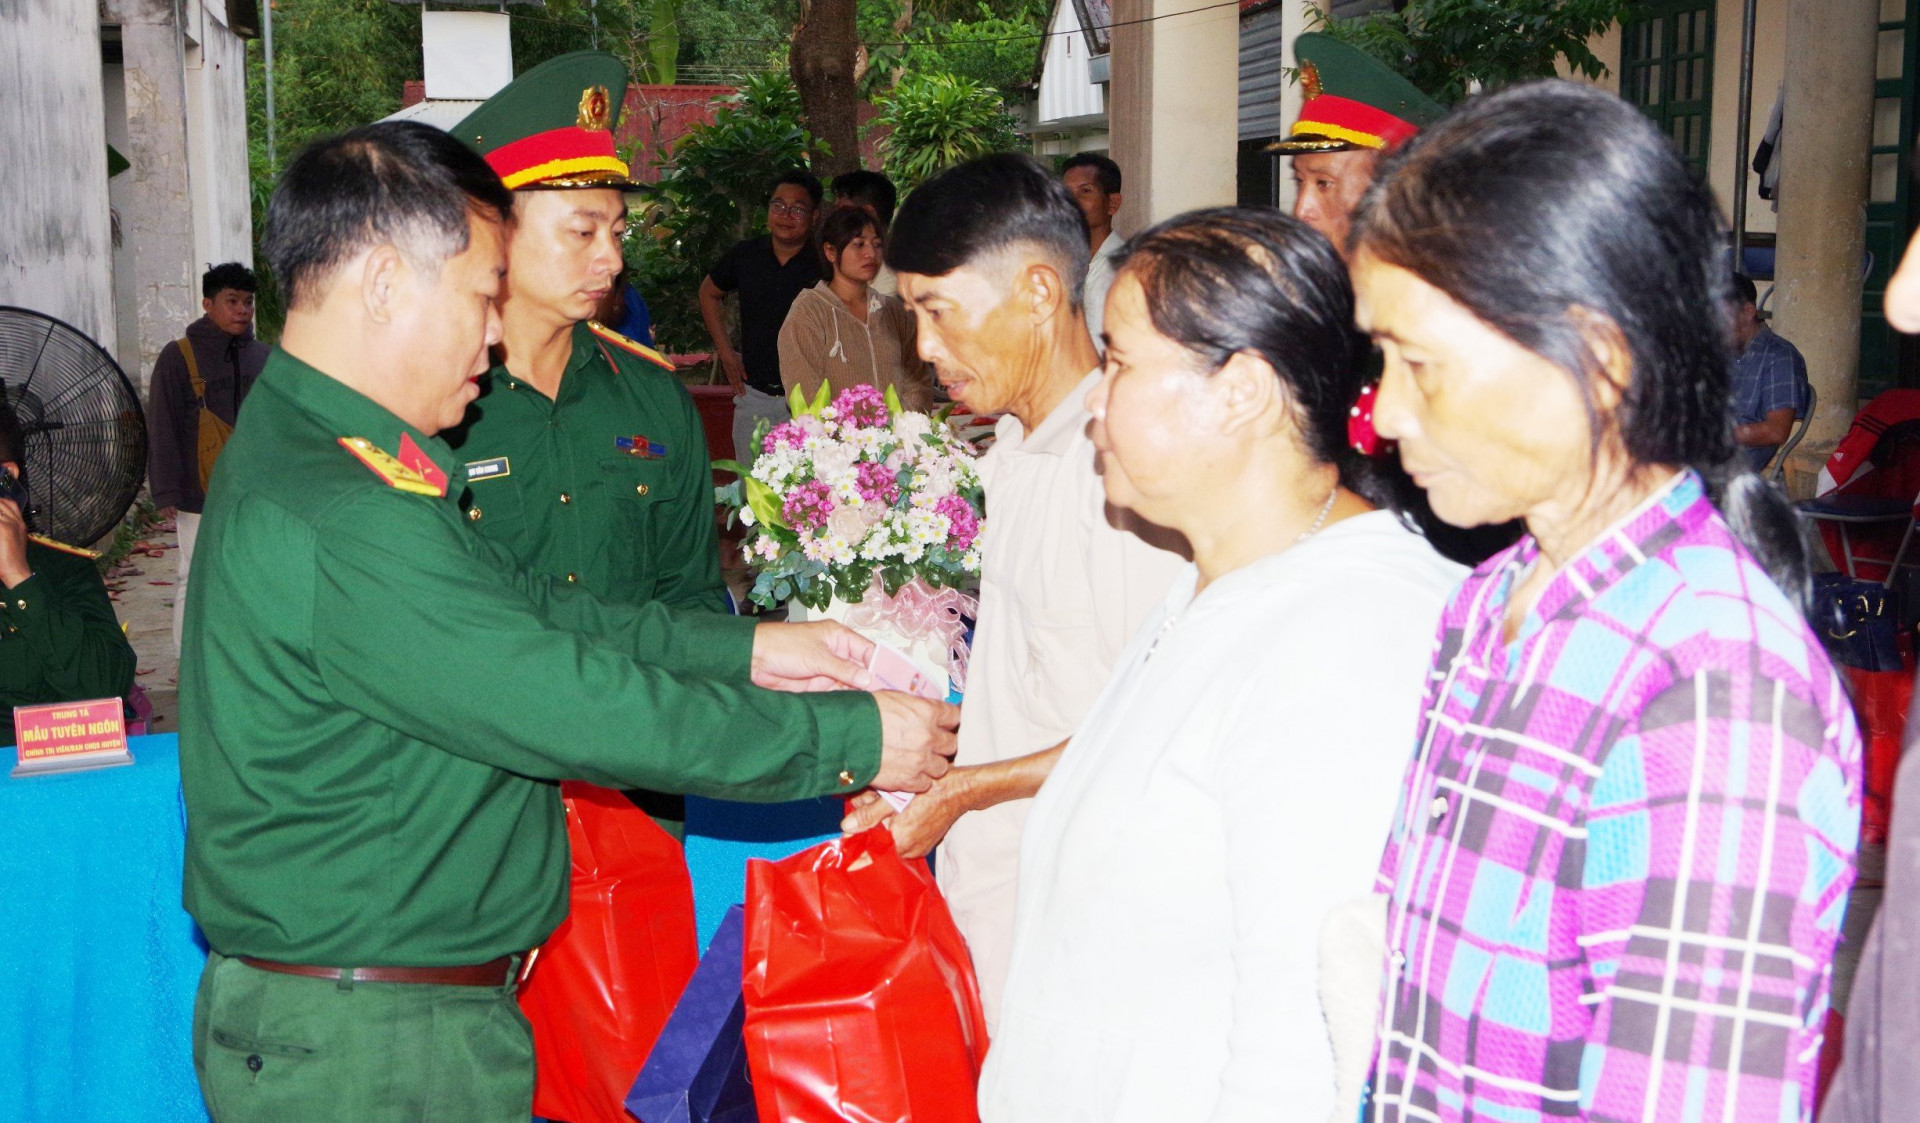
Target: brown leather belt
{"type": "Point", "coordinates": [494, 973]}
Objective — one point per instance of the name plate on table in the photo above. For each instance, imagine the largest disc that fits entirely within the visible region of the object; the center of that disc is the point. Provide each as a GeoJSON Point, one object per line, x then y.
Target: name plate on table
{"type": "Point", "coordinates": [70, 736]}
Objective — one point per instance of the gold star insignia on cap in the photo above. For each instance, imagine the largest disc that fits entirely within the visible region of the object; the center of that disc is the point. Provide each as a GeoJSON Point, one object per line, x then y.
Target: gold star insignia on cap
{"type": "Point", "coordinates": [594, 108]}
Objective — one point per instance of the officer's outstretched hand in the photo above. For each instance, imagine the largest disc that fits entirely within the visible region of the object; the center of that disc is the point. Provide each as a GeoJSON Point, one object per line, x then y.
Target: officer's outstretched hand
{"type": "Point", "coordinates": [916, 741]}
{"type": "Point", "coordinates": [820, 655]}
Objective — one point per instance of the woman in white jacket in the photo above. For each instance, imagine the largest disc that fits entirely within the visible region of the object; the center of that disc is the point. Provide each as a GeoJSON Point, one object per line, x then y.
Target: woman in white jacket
{"type": "Point", "coordinates": [1232, 785]}
{"type": "Point", "coordinates": [843, 332]}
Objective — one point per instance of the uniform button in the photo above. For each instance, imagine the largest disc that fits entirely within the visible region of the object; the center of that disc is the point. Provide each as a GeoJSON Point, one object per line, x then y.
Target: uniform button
{"type": "Point", "coordinates": [254, 1063]}
{"type": "Point", "coordinates": [21, 604]}
{"type": "Point", "coordinates": [846, 778]}
{"type": "Point", "coordinates": [474, 514]}
{"type": "Point", "coordinates": [572, 580]}
{"type": "Point", "coordinates": [1439, 806]}
{"type": "Point", "coordinates": [641, 489]}
{"type": "Point", "coordinates": [565, 498]}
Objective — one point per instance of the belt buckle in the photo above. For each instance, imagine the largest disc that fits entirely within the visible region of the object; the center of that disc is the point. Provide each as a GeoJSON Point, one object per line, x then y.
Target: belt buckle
{"type": "Point", "coordinates": [526, 968]}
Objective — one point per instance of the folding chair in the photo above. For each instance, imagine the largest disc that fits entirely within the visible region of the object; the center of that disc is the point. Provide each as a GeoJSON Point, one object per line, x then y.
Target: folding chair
{"type": "Point", "coordinates": [1777, 468]}
{"type": "Point", "coordinates": [1856, 510]}
{"type": "Point", "coordinates": [1871, 480]}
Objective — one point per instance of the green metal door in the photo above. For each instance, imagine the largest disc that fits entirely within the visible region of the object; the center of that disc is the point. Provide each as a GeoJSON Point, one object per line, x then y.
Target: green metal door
{"type": "Point", "coordinates": [1666, 68]}
{"type": "Point", "coordinates": [1887, 358]}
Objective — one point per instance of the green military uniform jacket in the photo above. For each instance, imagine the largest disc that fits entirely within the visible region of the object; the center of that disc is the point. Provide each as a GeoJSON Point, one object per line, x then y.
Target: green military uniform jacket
{"type": "Point", "coordinates": [606, 485]}
{"type": "Point", "coordinates": [375, 702]}
{"type": "Point", "coordinates": [59, 641]}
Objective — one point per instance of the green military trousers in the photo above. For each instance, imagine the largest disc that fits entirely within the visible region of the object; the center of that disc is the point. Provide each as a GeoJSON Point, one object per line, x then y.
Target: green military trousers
{"type": "Point", "coordinates": [279, 1048]}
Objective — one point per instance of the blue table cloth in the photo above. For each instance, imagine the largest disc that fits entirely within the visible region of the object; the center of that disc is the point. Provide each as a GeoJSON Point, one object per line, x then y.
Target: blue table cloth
{"type": "Point", "coordinates": [100, 961]}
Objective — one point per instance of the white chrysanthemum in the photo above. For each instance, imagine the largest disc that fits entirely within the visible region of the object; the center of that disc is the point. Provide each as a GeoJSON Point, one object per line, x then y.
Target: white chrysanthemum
{"type": "Point", "coordinates": [813, 549]}
{"type": "Point", "coordinates": [845, 484]}
{"type": "Point", "coordinates": [910, 427]}
{"type": "Point", "coordinates": [839, 551]}
{"type": "Point", "coordinates": [970, 561]}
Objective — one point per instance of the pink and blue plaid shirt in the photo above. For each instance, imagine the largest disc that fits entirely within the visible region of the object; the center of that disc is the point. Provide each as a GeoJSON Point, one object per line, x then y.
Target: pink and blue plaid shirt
{"type": "Point", "coordinates": [1623, 849]}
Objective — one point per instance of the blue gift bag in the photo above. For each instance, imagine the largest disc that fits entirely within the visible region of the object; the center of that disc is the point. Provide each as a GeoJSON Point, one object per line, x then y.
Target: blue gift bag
{"type": "Point", "coordinates": [697, 1072]}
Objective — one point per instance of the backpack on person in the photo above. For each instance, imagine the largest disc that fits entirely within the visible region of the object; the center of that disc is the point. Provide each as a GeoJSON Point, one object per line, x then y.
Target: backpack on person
{"type": "Point", "coordinates": [213, 430]}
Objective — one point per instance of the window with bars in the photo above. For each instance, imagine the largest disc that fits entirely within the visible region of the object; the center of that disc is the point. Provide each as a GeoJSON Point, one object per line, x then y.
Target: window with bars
{"type": "Point", "coordinates": [1666, 68]}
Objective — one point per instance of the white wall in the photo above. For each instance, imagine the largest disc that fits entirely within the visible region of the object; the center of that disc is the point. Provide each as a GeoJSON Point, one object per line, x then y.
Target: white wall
{"type": "Point", "coordinates": [55, 249]}
{"type": "Point", "coordinates": [1067, 93]}
{"type": "Point", "coordinates": [216, 96]}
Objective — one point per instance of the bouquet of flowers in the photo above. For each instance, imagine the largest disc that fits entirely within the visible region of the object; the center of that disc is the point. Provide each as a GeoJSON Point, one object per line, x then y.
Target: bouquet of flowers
{"type": "Point", "coordinates": [866, 512]}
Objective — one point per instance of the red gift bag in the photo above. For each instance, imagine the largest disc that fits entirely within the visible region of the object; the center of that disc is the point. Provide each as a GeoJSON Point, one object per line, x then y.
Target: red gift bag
{"type": "Point", "coordinates": [603, 984]}
{"type": "Point", "coordinates": [860, 995]}
{"type": "Point", "coordinates": [1880, 700]}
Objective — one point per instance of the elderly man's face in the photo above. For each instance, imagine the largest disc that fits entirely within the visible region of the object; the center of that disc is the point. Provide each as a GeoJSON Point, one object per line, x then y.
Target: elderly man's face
{"type": "Point", "coordinates": [1330, 186]}
{"type": "Point", "coordinates": [444, 323]}
{"type": "Point", "coordinates": [978, 332]}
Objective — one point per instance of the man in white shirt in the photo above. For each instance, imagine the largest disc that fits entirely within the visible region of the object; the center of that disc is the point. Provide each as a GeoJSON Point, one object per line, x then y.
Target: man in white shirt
{"type": "Point", "coordinates": [1095, 183]}
{"type": "Point", "coordinates": [991, 256]}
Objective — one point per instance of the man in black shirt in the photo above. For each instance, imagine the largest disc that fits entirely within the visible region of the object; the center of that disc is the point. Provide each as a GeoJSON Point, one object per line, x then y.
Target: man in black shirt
{"type": "Point", "coordinates": [768, 272]}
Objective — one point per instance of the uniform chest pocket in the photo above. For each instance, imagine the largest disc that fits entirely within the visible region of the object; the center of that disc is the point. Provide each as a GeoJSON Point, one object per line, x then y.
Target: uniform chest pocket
{"type": "Point", "coordinates": [495, 507]}
{"type": "Point", "coordinates": [640, 494]}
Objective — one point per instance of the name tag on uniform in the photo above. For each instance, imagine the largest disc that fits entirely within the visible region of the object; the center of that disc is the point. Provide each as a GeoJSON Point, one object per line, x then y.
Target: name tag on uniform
{"type": "Point", "coordinates": [640, 447]}
{"type": "Point", "coordinates": [488, 469]}
{"type": "Point", "coordinates": [67, 736]}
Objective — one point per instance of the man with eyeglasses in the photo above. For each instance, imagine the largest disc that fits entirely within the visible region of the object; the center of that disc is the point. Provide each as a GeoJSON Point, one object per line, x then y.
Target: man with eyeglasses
{"type": "Point", "coordinates": [768, 272]}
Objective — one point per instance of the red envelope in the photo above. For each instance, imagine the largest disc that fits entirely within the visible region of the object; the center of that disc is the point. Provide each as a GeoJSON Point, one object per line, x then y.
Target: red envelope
{"type": "Point", "coordinates": [603, 985]}
{"type": "Point", "coordinates": [861, 999]}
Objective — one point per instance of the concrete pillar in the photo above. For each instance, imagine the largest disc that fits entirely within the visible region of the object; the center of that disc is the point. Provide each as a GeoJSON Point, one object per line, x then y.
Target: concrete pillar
{"type": "Point", "coordinates": [1823, 196]}
{"type": "Point", "coordinates": [158, 224]}
{"type": "Point", "coordinates": [56, 251]}
{"type": "Point", "coordinates": [1173, 106]}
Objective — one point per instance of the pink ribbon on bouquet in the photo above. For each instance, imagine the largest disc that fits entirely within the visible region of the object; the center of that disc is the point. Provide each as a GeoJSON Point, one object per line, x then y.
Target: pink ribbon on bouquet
{"type": "Point", "coordinates": [919, 612]}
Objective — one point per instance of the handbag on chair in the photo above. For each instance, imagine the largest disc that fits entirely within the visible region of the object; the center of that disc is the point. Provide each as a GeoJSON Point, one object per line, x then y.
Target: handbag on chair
{"type": "Point", "coordinates": [1858, 622]}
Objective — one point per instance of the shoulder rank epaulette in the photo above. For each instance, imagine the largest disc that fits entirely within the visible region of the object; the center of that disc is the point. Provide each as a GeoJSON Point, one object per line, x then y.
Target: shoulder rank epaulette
{"type": "Point", "coordinates": [390, 469]}
{"type": "Point", "coordinates": [638, 350]}
{"type": "Point", "coordinates": [76, 551]}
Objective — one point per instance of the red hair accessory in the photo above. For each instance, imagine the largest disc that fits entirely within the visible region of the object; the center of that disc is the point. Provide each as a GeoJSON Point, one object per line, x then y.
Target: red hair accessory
{"type": "Point", "coordinates": [1360, 431]}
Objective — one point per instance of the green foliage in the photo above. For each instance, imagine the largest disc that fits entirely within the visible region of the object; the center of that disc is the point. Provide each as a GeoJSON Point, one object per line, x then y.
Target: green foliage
{"type": "Point", "coordinates": [1445, 46]}
{"type": "Point", "coordinates": [728, 40]}
{"type": "Point", "coordinates": [991, 50]}
{"type": "Point", "coordinates": [337, 64]}
{"type": "Point", "coordinates": [712, 194]}
{"type": "Point", "coordinates": [938, 120]}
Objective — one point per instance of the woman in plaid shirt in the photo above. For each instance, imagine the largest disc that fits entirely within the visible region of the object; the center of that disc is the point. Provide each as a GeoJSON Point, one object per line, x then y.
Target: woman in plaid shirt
{"type": "Point", "coordinates": [1623, 847]}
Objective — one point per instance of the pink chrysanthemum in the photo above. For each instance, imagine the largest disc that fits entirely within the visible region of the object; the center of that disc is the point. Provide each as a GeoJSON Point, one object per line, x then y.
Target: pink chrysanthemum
{"type": "Point", "coordinates": [877, 482]}
{"type": "Point", "coordinates": [863, 407]}
{"type": "Point", "coordinates": [809, 506]}
{"type": "Point", "coordinates": [785, 434]}
{"type": "Point", "coordinates": [964, 523]}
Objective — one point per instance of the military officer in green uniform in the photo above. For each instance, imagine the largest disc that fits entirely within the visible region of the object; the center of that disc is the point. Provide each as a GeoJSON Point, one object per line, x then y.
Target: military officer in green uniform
{"type": "Point", "coordinates": [376, 702]}
{"type": "Point", "coordinates": [59, 641]}
{"type": "Point", "coordinates": [584, 453]}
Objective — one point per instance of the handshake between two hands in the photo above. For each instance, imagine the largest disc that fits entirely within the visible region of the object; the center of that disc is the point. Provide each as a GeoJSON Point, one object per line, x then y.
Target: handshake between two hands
{"type": "Point", "coordinates": [916, 734]}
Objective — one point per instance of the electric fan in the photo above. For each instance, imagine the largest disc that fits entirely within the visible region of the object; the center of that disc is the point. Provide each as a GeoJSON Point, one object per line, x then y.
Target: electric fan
{"type": "Point", "coordinates": [85, 452]}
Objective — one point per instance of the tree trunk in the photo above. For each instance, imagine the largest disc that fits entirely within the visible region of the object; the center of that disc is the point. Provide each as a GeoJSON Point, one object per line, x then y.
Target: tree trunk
{"type": "Point", "coordinates": [822, 63]}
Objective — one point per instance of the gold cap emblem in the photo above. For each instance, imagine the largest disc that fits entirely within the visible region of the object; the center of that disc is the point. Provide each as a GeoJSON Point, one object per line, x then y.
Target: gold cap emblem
{"type": "Point", "coordinates": [1309, 81]}
{"type": "Point", "coordinates": [594, 108]}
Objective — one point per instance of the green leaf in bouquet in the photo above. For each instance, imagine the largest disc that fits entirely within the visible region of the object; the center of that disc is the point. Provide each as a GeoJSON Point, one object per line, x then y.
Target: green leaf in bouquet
{"type": "Point", "coordinates": [821, 399]}
{"type": "Point", "coordinates": [764, 504]}
{"type": "Point", "coordinates": [760, 430]}
{"type": "Point", "coordinates": [797, 403]}
{"type": "Point", "coordinates": [894, 579]}
{"type": "Point", "coordinates": [894, 408]}
{"type": "Point", "coordinates": [733, 466]}
{"type": "Point", "coordinates": [782, 589]}
{"type": "Point", "coordinates": [940, 415]}
{"type": "Point", "coordinates": [932, 440]}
